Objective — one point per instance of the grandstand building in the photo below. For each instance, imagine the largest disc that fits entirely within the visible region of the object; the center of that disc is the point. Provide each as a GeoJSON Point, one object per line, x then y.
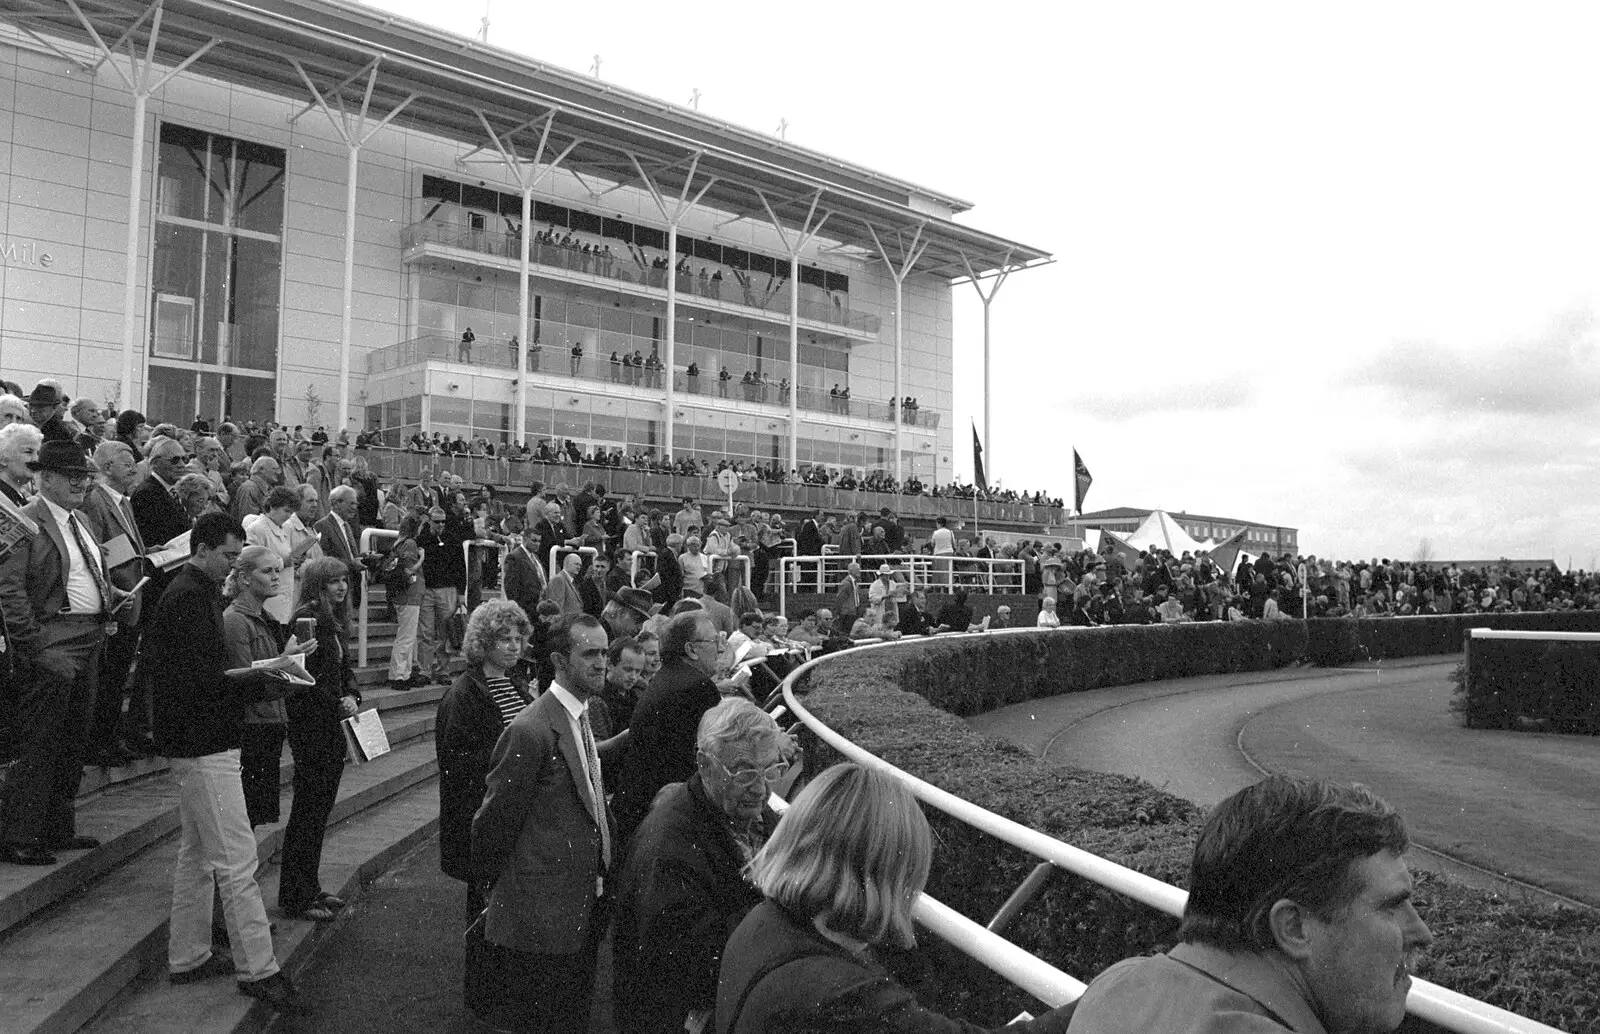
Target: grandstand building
{"type": "Point", "coordinates": [295, 210]}
{"type": "Point", "coordinates": [1269, 538]}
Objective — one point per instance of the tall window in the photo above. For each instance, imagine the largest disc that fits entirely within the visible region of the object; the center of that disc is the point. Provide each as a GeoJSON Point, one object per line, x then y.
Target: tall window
{"type": "Point", "coordinates": [214, 287]}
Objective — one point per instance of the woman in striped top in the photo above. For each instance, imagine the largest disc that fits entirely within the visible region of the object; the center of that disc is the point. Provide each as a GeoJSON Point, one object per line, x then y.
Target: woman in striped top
{"type": "Point", "coordinates": [473, 712]}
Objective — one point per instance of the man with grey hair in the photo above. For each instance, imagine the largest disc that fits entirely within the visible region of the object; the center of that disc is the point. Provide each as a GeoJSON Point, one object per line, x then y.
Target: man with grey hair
{"type": "Point", "coordinates": [110, 516]}
{"type": "Point", "coordinates": [682, 890]}
{"type": "Point", "coordinates": [86, 414]}
{"type": "Point", "coordinates": [340, 535]}
{"type": "Point", "coordinates": [19, 445]}
{"type": "Point", "coordinates": [209, 462]}
{"type": "Point", "coordinates": [251, 496]}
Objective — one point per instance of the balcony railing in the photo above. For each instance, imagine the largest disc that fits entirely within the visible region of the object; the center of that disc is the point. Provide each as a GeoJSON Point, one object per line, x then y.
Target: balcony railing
{"type": "Point", "coordinates": [395, 463]}
{"type": "Point", "coordinates": [749, 291]}
{"type": "Point", "coordinates": [559, 362]}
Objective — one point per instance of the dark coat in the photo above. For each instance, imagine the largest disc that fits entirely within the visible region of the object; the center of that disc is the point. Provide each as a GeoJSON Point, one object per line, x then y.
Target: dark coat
{"type": "Point", "coordinates": [523, 581]}
{"type": "Point", "coordinates": [780, 976]}
{"type": "Point", "coordinates": [661, 750]}
{"type": "Point", "coordinates": [182, 657]}
{"type": "Point", "coordinates": [466, 729]}
{"type": "Point", "coordinates": [537, 835]}
{"type": "Point", "coordinates": [680, 896]}
{"type": "Point", "coordinates": [330, 666]}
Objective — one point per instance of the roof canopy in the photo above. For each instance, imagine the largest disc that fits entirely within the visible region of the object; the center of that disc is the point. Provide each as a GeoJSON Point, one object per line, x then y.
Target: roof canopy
{"type": "Point", "coordinates": [363, 60]}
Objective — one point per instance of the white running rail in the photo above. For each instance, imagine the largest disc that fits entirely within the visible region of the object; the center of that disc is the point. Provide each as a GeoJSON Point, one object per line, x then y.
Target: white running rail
{"type": "Point", "coordinates": [1455, 1012]}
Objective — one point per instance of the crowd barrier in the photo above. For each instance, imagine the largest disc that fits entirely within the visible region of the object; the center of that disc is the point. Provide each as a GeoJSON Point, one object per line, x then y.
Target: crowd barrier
{"type": "Point", "coordinates": [1455, 1012]}
{"type": "Point", "coordinates": [504, 473]}
{"type": "Point", "coordinates": [822, 574]}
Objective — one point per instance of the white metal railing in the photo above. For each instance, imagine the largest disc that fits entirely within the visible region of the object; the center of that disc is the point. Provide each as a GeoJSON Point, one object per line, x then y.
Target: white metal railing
{"type": "Point", "coordinates": [1501, 633]}
{"type": "Point", "coordinates": [1439, 1005]}
{"type": "Point", "coordinates": [369, 538]}
{"type": "Point", "coordinates": [822, 574]}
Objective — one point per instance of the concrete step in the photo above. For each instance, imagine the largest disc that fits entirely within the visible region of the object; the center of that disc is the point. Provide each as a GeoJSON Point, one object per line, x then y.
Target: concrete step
{"type": "Point", "coordinates": [59, 969]}
{"type": "Point", "coordinates": [356, 852]}
{"type": "Point", "coordinates": [375, 676]}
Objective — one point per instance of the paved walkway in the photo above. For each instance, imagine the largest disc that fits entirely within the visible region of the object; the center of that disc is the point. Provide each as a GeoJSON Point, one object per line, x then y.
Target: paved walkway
{"type": "Point", "coordinates": [1517, 804]}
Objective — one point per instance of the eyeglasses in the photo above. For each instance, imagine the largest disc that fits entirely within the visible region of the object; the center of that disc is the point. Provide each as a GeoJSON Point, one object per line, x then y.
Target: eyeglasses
{"type": "Point", "coordinates": [713, 642]}
{"type": "Point", "coordinates": [74, 479]}
{"type": "Point", "coordinates": [749, 778]}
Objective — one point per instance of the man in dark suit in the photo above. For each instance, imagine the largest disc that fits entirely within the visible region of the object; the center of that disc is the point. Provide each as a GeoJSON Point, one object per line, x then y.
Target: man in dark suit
{"type": "Point", "coordinates": [111, 519]}
{"type": "Point", "coordinates": [160, 516]}
{"type": "Point", "coordinates": [524, 577]}
{"type": "Point", "coordinates": [340, 535]}
{"type": "Point", "coordinates": [544, 835]}
{"type": "Point", "coordinates": [59, 606]}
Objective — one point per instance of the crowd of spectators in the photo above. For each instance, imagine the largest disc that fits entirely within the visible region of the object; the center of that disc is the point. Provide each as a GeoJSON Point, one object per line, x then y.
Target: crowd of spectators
{"type": "Point", "coordinates": [570, 453]}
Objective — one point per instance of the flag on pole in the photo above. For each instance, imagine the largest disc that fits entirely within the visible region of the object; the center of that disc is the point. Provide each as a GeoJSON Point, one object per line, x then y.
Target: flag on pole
{"type": "Point", "coordinates": [1226, 553]}
{"type": "Point", "coordinates": [1084, 480]}
{"type": "Point", "coordinates": [978, 477]}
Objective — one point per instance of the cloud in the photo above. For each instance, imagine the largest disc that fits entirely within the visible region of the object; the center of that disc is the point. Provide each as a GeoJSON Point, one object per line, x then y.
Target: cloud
{"type": "Point", "coordinates": [1556, 373]}
{"type": "Point", "coordinates": [1188, 397]}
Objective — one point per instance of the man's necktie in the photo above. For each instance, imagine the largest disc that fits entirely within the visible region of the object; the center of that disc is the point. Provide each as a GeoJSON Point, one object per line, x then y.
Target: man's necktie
{"type": "Point", "coordinates": [591, 758]}
{"type": "Point", "coordinates": [91, 560]}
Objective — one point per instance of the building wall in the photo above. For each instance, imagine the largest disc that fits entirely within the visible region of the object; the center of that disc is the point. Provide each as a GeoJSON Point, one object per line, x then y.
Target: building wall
{"type": "Point", "coordinates": [65, 141]}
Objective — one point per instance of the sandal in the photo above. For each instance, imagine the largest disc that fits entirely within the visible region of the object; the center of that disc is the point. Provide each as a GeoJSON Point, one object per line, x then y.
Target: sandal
{"type": "Point", "coordinates": [327, 900]}
{"type": "Point", "coordinates": [316, 912]}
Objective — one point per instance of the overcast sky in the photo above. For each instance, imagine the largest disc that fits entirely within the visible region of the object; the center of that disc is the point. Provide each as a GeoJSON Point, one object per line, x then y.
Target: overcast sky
{"type": "Point", "coordinates": [1332, 268]}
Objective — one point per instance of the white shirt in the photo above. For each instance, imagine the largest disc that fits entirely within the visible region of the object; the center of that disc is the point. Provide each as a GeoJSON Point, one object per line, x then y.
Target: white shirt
{"type": "Point", "coordinates": [83, 595]}
{"type": "Point", "coordinates": [944, 542]}
{"type": "Point", "coordinates": [280, 539]}
{"type": "Point", "coordinates": [575, 708]}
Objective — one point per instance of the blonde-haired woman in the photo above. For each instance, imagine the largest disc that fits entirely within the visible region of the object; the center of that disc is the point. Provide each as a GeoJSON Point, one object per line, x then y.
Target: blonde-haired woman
{"type": "Point", "coordinates": [841, 874]}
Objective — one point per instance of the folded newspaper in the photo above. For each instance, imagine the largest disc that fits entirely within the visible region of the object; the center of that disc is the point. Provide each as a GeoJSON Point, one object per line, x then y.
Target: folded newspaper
{"type": "Point", "coordinates": [365, 737]}
{"type": "Point", "coordinates": [292, 666]}
{"type": "Point", "coordinates": [15, 526]}
{"type": "Point", "coordinates": [172, 553]}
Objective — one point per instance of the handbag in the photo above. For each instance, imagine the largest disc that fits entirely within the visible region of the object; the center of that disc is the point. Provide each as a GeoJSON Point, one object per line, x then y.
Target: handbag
{"type": "Point", "coordinates": [455, 627]}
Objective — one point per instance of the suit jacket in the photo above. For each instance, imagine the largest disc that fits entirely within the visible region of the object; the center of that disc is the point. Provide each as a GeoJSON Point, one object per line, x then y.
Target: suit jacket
{"type": "Point", "coordinates": [33, 580]}
{"type": "Point", "coordinates": [562, 589]}
{"type": "Point", "coordinates": [1195, 989]}
{"type": "Point", "coordinates": [160, 517]}
{"type": "Point", "coordinates": [524, 581]}
{"type": "Point", "coordinates": [106, 521]}
{"type": "Point", "coordinates": [537, 834]}
{"type": "Point", "coordinates": [334, 544]}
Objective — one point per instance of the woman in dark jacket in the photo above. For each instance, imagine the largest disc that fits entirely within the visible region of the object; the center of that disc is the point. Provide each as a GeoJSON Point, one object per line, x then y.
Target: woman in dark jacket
{"type": "Point", "coordinates": [841, 875]}
{"type": "Point", "coordinates": [316, 738]}
{"type": "Point", "coordinates": [479, 704]}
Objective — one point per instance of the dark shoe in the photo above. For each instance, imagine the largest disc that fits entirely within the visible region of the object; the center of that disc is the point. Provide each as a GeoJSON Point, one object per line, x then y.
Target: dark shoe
{"type": "Point", "coordinates": [26, 854]}
{"type": "Point", "coordinates": [79, 843]}
{"type": "Point", "coordinates": [327, 900]}
{"type": "Point", "coordinates": [220, 964]}
{"type": "Point", "coordinates": [277, 991]}
{"type": "Point", "coordinates": [316, 912]}
{"type": "Point", "coordinates": [418, 681]}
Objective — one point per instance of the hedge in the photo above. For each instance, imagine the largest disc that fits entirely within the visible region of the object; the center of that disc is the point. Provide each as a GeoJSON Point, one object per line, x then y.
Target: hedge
{"type": "Point", "coordinates": [1542, 684]}
{"type": "Point", "coordinates": [1541, 961]}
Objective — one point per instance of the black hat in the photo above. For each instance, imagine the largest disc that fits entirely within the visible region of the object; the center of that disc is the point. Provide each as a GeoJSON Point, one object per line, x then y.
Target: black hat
{"type": "Point", "coordinates": [45, 395]}
{"type": "Point", "coordinates": [636, 600]}
{"type": "Point", "coordinates": [62, 457]}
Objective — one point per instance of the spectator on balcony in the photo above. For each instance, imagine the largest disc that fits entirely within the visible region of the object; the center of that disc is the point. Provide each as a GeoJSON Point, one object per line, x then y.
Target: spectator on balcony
{"type": "Point", "coordinates": [577, 356]}
{"type": "Point", "coordinates": [616, 368]}
{"type": "Point", "coordinates": [693, 375]}
{"type": "Point", "coordinates": [723, 377]}
{"type": "Point", "coordinates": [1299, 917]}
{"type": "Point", "coordinates": [840, 875]}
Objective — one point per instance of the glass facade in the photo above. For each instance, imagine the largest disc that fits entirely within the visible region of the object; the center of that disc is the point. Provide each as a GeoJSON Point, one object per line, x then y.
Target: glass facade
{"type": "Point", "coordinates": [215, 278]}
{"type": "Point", "coordinates": [451, 300]}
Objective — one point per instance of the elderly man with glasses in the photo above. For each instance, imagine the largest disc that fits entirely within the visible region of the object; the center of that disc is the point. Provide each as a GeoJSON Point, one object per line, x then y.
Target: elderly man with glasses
{"type": "Point", "coordinates": [682, 891]}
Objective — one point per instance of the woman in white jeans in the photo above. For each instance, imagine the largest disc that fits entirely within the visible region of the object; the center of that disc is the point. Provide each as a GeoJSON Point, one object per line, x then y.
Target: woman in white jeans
{"type": "Point", "coordinates": [407, 607]}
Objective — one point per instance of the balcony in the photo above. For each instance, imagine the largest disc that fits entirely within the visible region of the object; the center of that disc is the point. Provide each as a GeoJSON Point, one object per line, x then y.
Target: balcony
{"type": "Point", "coordinates": [553, 363]}
{"type": "Point", "coordinates": [732, 295]}
{"type": "Point", "coordinates": [663, 489]}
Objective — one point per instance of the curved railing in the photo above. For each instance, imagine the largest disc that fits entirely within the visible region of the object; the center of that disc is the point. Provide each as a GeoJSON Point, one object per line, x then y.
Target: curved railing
{"type": "Point", "coordinates": [1428, 1001]}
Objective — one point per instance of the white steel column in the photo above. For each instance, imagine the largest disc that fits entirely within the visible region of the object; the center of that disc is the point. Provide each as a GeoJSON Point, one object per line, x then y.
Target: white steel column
{"type": "Point", "coordinates": [138, 82]}
{"type": "Point", "coordinates": [354, 132]}
{"type": "Point", "coordinates": [520, 422]}
{"type": "Point", "coordinates": [999, 281]}
{"type": "Point", "coordinates": [528, 175]}
{"type": "Point", "coordinates": [669, 361]}
{"type": "Point", "coordinates": [909, 256]}
{"type": "Point", "coordinates": [794, 361]}
{"type": "Point", "coordinates": [806, 235]}
{"type": "Point", "coordinates": [673, 214]}
{"type": "Point", "coordinates": [130, 273]}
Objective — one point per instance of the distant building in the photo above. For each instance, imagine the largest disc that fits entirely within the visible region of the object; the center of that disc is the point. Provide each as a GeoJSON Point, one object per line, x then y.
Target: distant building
{"type": "Point", "coordinates": [1270, 538]}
